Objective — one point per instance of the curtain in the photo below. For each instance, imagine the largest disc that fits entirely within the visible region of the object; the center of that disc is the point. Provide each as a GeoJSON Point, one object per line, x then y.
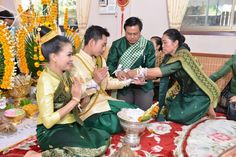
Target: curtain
{"type": "Point", "coordinates": [83, 9]}
{"type": "Point", "coordinates": [11, 6]}
{"type": "Point", "coordinates": [176, 12]}
{"type": "Point", "coordinates": [17, 3]}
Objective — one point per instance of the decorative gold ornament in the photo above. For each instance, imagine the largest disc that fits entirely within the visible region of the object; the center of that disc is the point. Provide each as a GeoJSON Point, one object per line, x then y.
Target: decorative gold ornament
{"type": "Point", "coordinates": [50, 35]}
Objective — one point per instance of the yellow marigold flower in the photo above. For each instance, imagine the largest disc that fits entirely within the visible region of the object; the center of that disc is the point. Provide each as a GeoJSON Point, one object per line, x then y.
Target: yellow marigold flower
{"type": "Point", "coordinates": [39, 73]}
{"type": "Point", "coordinates": [35, 49]}
{"type": "Point", "coordinates": [35, 57]}
{"type": "Point", "coordinates": [41, 58]}
{"type": "Point", "coordinates": [8, 60]}
{"type": "Point", "coordinates": [36, 64]}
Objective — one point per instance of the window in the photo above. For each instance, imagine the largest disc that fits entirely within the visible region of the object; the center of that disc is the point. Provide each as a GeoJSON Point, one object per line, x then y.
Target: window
{"type": "Point", "coordinates": [62, 5]}
{"type": "Point", "coordinates": [71, 5]}
{"type": "Point", "coordinates": [37, 5]}
{"type": "Point", "coordinates": [210, 16]}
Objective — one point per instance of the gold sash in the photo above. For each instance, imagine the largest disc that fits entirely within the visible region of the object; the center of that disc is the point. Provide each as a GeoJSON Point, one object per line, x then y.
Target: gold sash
{"type": "Point", "coordinates": [76, 112]}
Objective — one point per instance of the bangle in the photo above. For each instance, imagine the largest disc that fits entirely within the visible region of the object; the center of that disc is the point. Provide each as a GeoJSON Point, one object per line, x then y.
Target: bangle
{"type": "Point", "coordinates": [78, 105]}
{"type": "Point", "coordinates": [76, 99]}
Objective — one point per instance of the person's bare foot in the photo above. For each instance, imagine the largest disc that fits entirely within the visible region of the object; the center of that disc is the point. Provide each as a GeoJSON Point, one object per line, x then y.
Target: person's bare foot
{"type": "Point", "coordinates": [125, 151]}
{"type": "Point", "coordinates": [211, 112]}
{"type": "Point", "coordinates": [32, 154]}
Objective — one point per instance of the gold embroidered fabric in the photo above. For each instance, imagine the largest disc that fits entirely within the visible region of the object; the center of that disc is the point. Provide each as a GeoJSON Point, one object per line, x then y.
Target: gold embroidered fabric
{"type": "Point", "coordinates": [46, 87]}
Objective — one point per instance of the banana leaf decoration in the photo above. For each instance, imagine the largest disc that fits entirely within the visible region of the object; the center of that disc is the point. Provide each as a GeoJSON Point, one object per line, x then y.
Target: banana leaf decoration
{"type": "Point", "coordinates": [29, 55]}
{"type": "Point", "coordinates": [34, 59]}
{"type": "Point", "coordinates": [2, 65]}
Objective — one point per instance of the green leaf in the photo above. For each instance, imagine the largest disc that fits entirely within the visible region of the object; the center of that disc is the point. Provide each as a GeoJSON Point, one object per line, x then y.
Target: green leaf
{"type": "Point", "coordinates": [24, 102]}
{"type": "Point", "coordinates": [2, 65]}
{"type": "Point", "coordinates": [29, 49]}
{"type": "Point", "coordinates": [9, 106]}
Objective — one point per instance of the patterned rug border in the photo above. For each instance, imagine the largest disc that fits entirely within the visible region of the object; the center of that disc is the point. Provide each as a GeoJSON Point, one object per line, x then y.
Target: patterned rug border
{"type": "Point", "coordinates": [14, 146]}
{"type": "Point", "coordinates": [184, 144]}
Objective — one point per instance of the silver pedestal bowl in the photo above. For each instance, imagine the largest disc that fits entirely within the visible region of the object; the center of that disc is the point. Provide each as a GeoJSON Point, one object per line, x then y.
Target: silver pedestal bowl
{"type": "Point", "coordinates": [132, 130]}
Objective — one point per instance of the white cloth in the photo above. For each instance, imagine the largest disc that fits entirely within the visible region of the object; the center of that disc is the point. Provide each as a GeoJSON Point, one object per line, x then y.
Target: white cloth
{"type": "Point", "coordinates": [92, 84]}
{"type": "Point", "coordinates": [208, 138]}
{"type": "Point", "coordinates": [24, 130]}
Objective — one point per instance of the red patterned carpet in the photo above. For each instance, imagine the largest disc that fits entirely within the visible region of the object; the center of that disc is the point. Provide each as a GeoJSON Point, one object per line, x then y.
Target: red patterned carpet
{"type": "Point", "coordinates": [165, 139]}
{"type": "Point", "coordinates": [149, 144]}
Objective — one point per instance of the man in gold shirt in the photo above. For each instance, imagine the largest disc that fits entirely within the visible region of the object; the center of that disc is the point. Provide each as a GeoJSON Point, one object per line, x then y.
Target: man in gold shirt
{"type": "Point", "coordinates": [101, 109]}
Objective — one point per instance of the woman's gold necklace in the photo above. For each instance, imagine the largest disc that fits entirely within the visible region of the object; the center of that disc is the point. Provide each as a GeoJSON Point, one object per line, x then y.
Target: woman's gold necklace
{"type": "Point", "coordinates": [66, 84]}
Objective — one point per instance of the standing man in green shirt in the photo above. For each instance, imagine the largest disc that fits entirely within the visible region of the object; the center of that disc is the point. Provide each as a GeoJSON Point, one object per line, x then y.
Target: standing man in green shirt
{"type": "Point", "coordinates": [130, 52]}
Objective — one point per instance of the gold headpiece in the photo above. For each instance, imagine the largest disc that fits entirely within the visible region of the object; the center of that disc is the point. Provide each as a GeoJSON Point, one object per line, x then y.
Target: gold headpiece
{"type": "Point", "coordinates": [50, 35]}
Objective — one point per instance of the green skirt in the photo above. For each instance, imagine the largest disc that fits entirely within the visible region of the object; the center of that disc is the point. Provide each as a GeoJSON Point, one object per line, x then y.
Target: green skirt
{"type": "Point", "coordinates": [187, 108]}
{"type": "Point", "coordinates": [109, 120]}
{"type": "Point", "coordinates": [72, 140]}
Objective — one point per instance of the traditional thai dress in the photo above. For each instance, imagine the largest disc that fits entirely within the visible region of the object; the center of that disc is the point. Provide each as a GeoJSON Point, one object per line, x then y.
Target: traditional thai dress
{"type": "Point", "coordinates": [159, 58]}
{"type": "Point", "coordinates": [192, 91]}
{"type": "Point", "coordinates": [229, 66]}
{"type": "Point", "coordinates": [133, 56]}
{"type": "Point", "coordinates": [64, 137]}
{"type": "Point", "coordinates": [101, 111]}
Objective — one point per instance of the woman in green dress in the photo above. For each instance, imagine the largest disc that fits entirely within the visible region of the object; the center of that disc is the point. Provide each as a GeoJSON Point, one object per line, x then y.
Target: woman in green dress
{"type": "Point", "coordinates": [58, 133]}
{"type": "Point", "coordinates": [230, 90]}
{"type": "Point", "coordinates": [185, 90]}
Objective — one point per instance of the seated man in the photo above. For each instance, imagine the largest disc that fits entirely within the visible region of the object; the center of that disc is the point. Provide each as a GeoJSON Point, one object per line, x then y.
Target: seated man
{"type": "Point", "coordinates": [7, 17]}
{"type": "Point", "coordinates": [101, 109]}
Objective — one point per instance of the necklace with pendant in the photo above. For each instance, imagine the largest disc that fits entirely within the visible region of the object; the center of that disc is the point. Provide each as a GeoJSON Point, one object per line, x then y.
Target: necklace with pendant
{"type": "Point", "coordinates": [66, 88]}
{"type": "Point", "coordinates": [66, 83]}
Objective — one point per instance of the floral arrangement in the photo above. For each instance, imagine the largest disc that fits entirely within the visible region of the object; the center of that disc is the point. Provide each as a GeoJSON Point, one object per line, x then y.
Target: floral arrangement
{"type": "Point", "coordinates": [66, 19]}
{"type": "Point", "coordinates": [149, 113]}
{"type": "Point", "coordinates": [6, 58]}
{"type": "Point", "coordinates": [45, 2]}
{"type": "Point", "coordinates": [70, 33]}
{"type": "Point", "coordinates": [29, 53]}
{"type": "Point", "coordinates": [73, 37]}
{"type": "Point", "coordinates": [21, 35]}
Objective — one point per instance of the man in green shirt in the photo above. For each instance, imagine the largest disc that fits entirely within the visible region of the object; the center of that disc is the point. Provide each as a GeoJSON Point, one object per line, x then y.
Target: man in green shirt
{"type": "Point", "coordinates": [130, 52]}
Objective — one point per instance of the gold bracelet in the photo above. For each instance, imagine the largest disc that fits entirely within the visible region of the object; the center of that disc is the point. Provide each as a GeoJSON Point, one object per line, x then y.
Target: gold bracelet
{"type": "Point", "coordinates": [78, 104]}
{"type": "Point", "coordinates": [76, 99]}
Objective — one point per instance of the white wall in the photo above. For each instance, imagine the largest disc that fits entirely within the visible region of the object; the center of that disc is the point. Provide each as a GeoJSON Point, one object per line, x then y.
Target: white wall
{"type": "Point", "coordinates": [212, 44]}
{"type": "Point", "coordinates": [10, 6]}
{"type": "Point", "coordinates": [151, 12]}
{"type": "Point", "coordinates": [7, 4]}
{"type": "Point", "coordinates": [154, 16]}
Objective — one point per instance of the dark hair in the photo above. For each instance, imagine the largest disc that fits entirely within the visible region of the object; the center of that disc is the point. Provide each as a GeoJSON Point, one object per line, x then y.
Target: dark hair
{"type": "Point", "coordinates": [157, 41]}
{"type": "Point", "coordinates": [96, 33]}
{"type": "Point", "coordinates": [174, 35]}
{"type": "Point", "coordinates": [132, 21]}
{"type": "Point", "coordinates": [54, 45]}
{"type": "Point", "coordinates": [5, 14]}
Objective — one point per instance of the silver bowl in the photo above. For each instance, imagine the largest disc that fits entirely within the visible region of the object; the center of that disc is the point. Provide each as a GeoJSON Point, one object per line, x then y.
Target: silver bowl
{"type": "Point", "coordinates": [133, 131]}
